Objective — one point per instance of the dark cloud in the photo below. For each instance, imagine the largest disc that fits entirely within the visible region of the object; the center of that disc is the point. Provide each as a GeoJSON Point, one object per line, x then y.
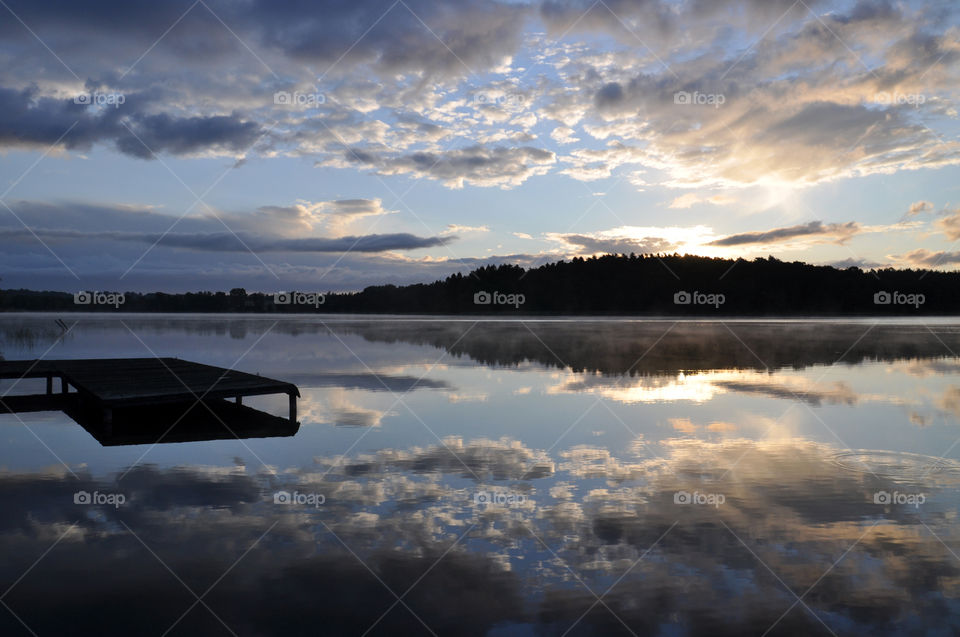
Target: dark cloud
{"type": "Point", "coordinates": [412, 36]}
{"type": "Point", "coordinates": [99, 242]}
{"type": "Point", "coordinates": [27, 119]}
{"type": "Point", "coordinates": [610, 94]}
{"type": "Point", "coordinates": [838, 232]}
{"type": "Point", "coordinates": [368, 382]}
{"type": "Point", "coordinates": [184, 135]}
{"type": "Point", "coordinates": [392, 37]}
{"type": "Point", "coordinates": [241, 241]}
{"type": "Point", "coordinates": [839, 394]}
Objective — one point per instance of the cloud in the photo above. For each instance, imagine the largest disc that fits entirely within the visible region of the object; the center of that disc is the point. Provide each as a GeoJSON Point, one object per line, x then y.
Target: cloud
{"type": "Point", "coordinates": [299, 219]}
{"type": "Point", "coordinates": [563, 135]}
{"type": "Point", "coordinates": [835, 232]}
{"type": "Point", "coordinates": [101, 242]}
{"type": "Point", "coordinates": [367, 381]}
{"type": "Point", "coordinates": [475, 165]}
{"type": "Point", "coordinates": [242, 242]}
{"type": "Point", "coordinates": [290, 229]}
{"type": "Point", "coordinates": [587, 244]}
{"type": "Point", "coordinates": [685, 201]}
{"type": "Point", "coordinates": [455, 228]}
{"type": "Point", "coordinates": [683, 425]}
{"type": "Point", "coordinates": [603, 509]}
{"type": "Point", "coordinates": [919, 206]}
{"type": "Point", "coordinates": [306, 216]}
{"type": "Point", "coordinates": [29, 120]}
{"type": "Point", "coordinates": [424, 36]}
{"type": "Point", "coordinates": [950, 224]}
{"type": "Point", "coordinates": [395, 79]}
{"type": "Point", "coordinates": [589, 164]}
{"type": "Point", "coordinates": [354, 207]}
{"type": "Point", "coordinates": [796, 108]}
{"type": "Point", "coordinates": [689, 199]}
{"type": "Point", "coordinates": [838, 393]}
{"type": "Point", "coordinates": [923, 258]}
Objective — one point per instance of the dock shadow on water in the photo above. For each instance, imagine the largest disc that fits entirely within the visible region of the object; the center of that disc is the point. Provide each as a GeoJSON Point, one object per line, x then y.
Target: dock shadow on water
{"type": "Point", "coordinates": [549, 478]}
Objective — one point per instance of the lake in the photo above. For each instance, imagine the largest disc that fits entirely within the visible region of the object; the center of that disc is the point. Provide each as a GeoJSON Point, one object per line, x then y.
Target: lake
{"type": "Point", "coordinates": [473, 477]}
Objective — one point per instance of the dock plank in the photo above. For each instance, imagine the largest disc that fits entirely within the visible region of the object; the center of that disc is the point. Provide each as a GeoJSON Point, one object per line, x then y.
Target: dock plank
{"type": "Point", "coordinates": [115, 382]}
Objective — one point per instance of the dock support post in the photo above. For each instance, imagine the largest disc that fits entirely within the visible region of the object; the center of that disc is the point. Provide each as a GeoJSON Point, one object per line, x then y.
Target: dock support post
{"type": "Point", "coordinates": [49, 383]}
{"type": "Point", "coordinates": [239, 400]}
{"type": "Point", "coordinates": [64, 386]}
{"type": "Point", "coordinates": [293, 407]}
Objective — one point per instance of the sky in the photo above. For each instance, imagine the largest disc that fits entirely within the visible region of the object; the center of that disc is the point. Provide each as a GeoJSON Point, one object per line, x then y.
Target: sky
{"type": "Point", "coordinates": [286, 144]}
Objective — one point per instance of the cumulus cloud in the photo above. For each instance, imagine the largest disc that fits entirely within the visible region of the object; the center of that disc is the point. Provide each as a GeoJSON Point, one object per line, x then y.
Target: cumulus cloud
{"type": "Point", "coordinates": [786, 110]}
{"type": "Point", "coordinates": [797, 106]}
{"type": "Point", "coordinates": [563, 135]}
{"type": "Point", "coordinates": [476, 165]}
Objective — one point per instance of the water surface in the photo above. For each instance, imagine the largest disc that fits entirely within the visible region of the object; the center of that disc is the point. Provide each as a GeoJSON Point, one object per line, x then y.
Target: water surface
{"type": "Point", "coordinates": [456, 477]}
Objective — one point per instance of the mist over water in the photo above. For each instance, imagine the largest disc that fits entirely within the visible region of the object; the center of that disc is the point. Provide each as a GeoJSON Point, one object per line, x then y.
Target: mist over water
{"type": "Point", "coordinates": [502, 478]}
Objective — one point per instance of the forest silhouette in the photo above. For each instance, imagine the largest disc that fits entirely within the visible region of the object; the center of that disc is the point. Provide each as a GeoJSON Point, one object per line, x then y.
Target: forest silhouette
{"type": "Point", "coordinates": [654, 285]}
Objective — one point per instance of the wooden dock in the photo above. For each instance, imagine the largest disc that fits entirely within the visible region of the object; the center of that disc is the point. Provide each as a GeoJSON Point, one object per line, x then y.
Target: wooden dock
{"type": "Point", "coordinates": [108, 385]}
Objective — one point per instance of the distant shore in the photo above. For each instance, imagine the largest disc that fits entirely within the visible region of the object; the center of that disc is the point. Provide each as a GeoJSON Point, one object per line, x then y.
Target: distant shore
{"type": "Point", "coordinates": [610, 285]}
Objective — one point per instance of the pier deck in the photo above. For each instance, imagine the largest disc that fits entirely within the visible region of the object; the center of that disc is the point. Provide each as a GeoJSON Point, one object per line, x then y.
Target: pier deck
{"type": "Point", "coordinates": [108, 384]}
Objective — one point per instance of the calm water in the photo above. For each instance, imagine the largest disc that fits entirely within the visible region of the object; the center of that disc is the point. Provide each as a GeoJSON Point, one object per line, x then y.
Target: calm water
{"type": "Point", "coordinates": [502, 478]}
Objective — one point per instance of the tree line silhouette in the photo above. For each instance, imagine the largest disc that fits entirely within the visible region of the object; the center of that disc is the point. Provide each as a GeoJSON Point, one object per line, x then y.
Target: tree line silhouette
{"type": "Point", "coordinates": [600, 285]}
